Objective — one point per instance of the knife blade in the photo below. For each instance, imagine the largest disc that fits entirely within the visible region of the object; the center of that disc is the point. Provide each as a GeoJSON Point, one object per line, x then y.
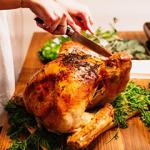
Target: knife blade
{"type": "Point", "coordinates": [85, 41]}
{"type": "Point", "coordinates": [82, 39]}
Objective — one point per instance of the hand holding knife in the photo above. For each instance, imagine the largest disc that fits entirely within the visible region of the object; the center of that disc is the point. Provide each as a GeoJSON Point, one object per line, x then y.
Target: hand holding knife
{"type": "Point", "coordinates": [81, 39]}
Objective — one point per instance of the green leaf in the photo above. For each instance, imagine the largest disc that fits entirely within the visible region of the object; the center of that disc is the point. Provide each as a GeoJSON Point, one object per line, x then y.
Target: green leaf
{"type": "Point", "coordinates": [50, 50]}
{"type": "Point", "coordinates": [19, 120]}
{"type": "Point", "coordinates": [18, 145]}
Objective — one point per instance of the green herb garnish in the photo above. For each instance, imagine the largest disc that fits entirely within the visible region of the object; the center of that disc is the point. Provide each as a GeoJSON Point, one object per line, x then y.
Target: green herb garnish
{"type": "Point", "coordinates": [19, 120]}
{"type": "Point", "coordinates": [51, 49]}
{"type": "Point", "coordinates": [41, 138]}
{"type": "Point", "coordinates": [22, 139]}
{"type": "Point", "coordinates": [133, 99]}
{"type": "Point", "coordinates": [112, 42]}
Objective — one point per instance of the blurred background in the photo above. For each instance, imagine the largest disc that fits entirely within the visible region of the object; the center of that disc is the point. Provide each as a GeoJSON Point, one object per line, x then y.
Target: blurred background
{"type": "Point", "coordinates": [131, 15]}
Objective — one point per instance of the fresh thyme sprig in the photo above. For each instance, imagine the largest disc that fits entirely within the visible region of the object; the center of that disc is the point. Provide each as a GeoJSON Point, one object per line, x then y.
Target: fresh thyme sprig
{"type": "Point", "coordinates": [115, 136]}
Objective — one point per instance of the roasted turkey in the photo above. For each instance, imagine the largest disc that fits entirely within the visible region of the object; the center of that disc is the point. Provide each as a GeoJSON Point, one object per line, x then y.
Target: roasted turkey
{"type": "Point", "coordinates": [62, 92]}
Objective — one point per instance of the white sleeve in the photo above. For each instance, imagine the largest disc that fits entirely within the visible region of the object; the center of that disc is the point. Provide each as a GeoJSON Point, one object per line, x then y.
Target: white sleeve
{"type": "Point", "coordinates": [7, 77]}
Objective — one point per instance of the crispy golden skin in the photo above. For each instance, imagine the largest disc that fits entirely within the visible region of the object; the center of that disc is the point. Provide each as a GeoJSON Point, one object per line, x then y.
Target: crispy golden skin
{"type": "Point", "coordinates": [78, 79]}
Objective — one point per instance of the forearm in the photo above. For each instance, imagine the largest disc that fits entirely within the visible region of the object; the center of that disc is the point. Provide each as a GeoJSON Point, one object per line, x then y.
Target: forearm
{"type": "Point", "coordinates": [13, 4]}
{"type": "Point", "coordinates": [10, 4]}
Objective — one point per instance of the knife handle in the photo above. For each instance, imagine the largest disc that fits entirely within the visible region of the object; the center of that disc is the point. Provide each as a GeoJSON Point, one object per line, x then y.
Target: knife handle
{"type": "Point", "coordinates": [69, 31]}
{"type": "Point", "coordinates": [146, 28]}
{"type": "Point", "coordinates": [39, 20]}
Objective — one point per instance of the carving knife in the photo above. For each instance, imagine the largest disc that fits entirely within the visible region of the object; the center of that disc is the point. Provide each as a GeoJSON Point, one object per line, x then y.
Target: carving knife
{"type": "Point", "coordinates": [82, 39]}
{"type": "Point", "coordinates": [85, 41]}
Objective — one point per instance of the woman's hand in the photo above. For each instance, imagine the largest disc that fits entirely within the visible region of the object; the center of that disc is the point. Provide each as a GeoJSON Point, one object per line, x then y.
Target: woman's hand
{"type": "Point", "coordinates": [58, 14]}
{"type": "Point", "coordinates": [54, 16]}
{"type": "Point", "coordinates": [79, 12]}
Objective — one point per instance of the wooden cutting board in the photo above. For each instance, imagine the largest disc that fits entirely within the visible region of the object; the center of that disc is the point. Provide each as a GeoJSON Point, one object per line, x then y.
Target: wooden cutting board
{"type": "Point", "coordinates": [135, 137]}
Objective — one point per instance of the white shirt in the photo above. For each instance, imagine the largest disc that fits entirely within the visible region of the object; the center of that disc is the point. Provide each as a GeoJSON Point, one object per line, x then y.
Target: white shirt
{"type": "Point", "coordinates": [7, 77]}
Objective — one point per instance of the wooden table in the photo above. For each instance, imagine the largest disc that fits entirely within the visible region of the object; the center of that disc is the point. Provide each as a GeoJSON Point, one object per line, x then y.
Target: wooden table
{"type": "Point", "coordinates": [135, 137]}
